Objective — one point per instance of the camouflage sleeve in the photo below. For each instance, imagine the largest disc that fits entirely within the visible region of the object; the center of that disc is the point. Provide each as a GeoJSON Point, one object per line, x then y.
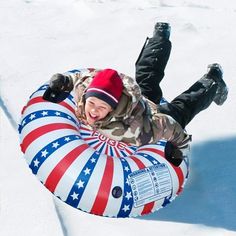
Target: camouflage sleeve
{"type": "Point", "coordinates": [165, 127]}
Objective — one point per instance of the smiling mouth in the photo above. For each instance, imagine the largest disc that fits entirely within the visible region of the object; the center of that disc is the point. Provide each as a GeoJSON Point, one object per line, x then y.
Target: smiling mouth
{"type": "Point", "coordinates": [94, 117]}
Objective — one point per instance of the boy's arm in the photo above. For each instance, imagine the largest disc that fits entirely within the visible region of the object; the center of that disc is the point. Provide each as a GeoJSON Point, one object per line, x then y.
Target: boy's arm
{"type": "Point", "coordinates": [165, 127]}
{"type": "Point", "coordinates": [60, 85]}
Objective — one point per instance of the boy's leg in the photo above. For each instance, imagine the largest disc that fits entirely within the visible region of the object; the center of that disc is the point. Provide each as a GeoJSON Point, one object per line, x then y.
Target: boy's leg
{"type": "Point", "coordinates": [152, 61]}
{"type": "Point", "coordinates": [198, 97]}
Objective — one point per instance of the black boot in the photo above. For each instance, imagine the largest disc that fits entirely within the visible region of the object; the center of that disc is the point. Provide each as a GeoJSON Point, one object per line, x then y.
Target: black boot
{"type": "Point", "coordinates": [216, 73]}
{"type": "Point", "coordinates": [198, 97]}
{"type": "Point", "coordinates": [161, 31]}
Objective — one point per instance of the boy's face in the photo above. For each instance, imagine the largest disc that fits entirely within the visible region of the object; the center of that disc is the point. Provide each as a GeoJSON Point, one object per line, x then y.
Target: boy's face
{"type": "Point", "coordinates": [96, 109]}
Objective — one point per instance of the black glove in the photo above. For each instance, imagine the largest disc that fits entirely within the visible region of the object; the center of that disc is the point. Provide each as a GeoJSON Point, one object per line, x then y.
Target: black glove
{"type": "Point", "coordinates": [59, 88]}
{"type": "Point", "coordinates": [173, 154]}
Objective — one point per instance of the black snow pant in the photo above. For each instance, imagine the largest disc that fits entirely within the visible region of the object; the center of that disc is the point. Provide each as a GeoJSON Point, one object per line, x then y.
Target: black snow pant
{"type": "Point", "coordinates": [150, 68]}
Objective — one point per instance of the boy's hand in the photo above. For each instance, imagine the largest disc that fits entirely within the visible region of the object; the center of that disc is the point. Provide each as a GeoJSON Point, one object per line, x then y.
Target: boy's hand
{"type": "Point", "coordinates": [59, 88]}
{"type": "Point", "coordinates": [61, 83]}
{"type": "Point", "coordinates": [174, 154]}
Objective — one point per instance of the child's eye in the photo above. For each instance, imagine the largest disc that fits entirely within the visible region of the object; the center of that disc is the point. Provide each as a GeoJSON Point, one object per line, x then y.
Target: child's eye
{"type": "Point", "coordinates": [91, 103]}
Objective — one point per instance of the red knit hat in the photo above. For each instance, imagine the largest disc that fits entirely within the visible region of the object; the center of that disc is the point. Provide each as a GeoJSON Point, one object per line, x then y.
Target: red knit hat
{"type": "Point", "coordinates": [106, 85]}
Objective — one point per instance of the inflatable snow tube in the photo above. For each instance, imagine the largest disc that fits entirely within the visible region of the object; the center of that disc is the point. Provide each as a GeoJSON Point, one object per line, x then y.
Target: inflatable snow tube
{"type": "Point", "coordinates": [90, 171]}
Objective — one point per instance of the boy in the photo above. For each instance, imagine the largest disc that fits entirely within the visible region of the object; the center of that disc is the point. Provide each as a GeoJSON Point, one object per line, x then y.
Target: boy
{"type": "Point", "coordinates": [122, 110]}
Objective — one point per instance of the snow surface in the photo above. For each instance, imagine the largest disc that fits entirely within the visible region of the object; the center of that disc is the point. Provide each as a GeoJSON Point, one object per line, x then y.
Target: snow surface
{"type": "Point", "coordinates": [39, 38]}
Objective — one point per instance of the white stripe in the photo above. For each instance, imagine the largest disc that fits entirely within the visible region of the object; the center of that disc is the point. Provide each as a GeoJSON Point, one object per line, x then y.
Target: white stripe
{"type": "Point", "coordinates": [44, 140]}
{"type": "Point", "coordinates": [68, 179]}
{"type": "Point", "coordinates": [50, 163]}
{"type": "Point", "coordinates": [158, 204]}
{"type": "Point", "coordinates": [102, 91]}
{"type": "Point", "coordinates": [91, 190]}
{"type": "Point", "coordinates": [38, 123]}
{"type": "Point", "coordinates": [48, 106]}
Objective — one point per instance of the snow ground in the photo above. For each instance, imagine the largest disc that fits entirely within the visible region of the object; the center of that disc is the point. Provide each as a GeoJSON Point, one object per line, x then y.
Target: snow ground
{"type": "Point", "coordinates": [39, 38]}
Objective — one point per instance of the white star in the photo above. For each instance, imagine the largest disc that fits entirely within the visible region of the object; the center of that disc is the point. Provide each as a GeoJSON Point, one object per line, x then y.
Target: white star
{"type": "Point", "coordinates": [58, 113]}
{"type": "Point", "coordinates": [44, 153]}
{"type": "Point", "coordinates": [155, 162]}
{"type": "Point", "coordinates": [126, 208]}
{"type": "Point", "coordinates": [69, 117]}
{"type": "Point", "coordinates": [67, 139]}
{"type": "Point", "coordinates": [74, 195]}
{"type": "Point", "coordinates": [44, 113]}
{"type": "Point", "coordinates": [127, 168]}
{"type": "Point", "coordinates": [87, 171]}
{"type": "Point", "coordinates": [80, 184]}
{"type": "Point", "coordinates": [93, 160]}
{"type": "Point", "coordinates": [55, 145]}
{"type": "Point", "coordinates": [23, 123]}
{"type": "Point", "coordinates": [127, 181]}
{"type": "Point", "coordinates": [32, 116]}
{"type": "Point", "coordinates": [128, 195]}
{"type": "Point", "coordinates": [36, 163]}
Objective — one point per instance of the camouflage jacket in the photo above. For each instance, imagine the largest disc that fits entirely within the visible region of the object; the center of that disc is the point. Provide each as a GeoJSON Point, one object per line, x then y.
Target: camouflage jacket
{"type": "Point", "coordinates": [136, 120]}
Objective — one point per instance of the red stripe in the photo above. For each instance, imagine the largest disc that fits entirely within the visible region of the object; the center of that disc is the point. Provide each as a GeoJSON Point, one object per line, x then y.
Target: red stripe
{"type": "Point", "coordinates": [33, 101]}
{"type": "Point", "coordinates": [23, 110]}
{"type": "Point", "coordinates": [180, 176]}
{"type": "Point", "coordinates": [159, 152]}
{"type": "Point", "coordinates": [36, 133]}
{"type": "Point", "coordinates": [107, 150]}
{"type": "Point", "coordinates": [40, 99]}
{"type": "Point", "coordinates": [62, 166]}
{"type": "Point", "coordinates": [98, 145]}
{"type": "Point", "coordinates": [65, 104]}
{"type": "Point", "coordinates": [149, 206]}
{"type": "Point", "coordinates": [101, 200]}
{"type": "Point", "coordinates": [128, 151]}
{"type": "Point", "coordinates": [138, 162]}
{"type": "Point", "coordinates": [89, 138]}
{"type": "Point", "coordinates": [116, 152]}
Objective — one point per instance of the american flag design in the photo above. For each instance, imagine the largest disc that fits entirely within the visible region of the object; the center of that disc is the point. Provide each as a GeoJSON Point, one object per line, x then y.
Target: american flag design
{"type": "Point", "coordinates": [90, 171]}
